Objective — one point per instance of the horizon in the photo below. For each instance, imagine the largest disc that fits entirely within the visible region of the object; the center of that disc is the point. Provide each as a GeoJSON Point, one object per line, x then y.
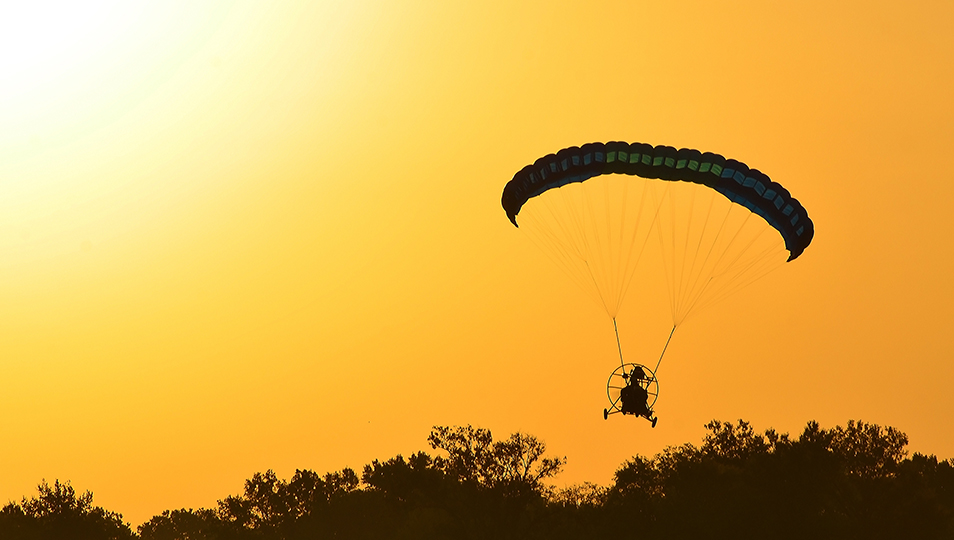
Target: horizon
{"type": "Point", "coordinates": [870, 443]}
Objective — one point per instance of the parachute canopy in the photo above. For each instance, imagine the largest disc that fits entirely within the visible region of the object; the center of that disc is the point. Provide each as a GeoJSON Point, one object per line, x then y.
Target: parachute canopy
{"type": "Point", "coordinates": [733, 179]}
{"type": "Point", "coordinates": [720, 227]}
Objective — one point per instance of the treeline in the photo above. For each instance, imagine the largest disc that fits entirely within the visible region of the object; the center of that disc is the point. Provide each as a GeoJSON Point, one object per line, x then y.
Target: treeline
{"type": "Point", "coordinates": [846, 482]}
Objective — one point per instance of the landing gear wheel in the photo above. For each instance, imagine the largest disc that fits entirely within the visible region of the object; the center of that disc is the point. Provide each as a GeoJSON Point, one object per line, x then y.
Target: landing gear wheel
{"type": "Point", "coordinates": [618, 380]}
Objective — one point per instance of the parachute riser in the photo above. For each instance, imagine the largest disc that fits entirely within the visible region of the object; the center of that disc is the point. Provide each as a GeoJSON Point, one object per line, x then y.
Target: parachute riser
{"type": "Point", "coordinates": [666, 346]}
{"type": "Point", "coordinates": [618, 346]}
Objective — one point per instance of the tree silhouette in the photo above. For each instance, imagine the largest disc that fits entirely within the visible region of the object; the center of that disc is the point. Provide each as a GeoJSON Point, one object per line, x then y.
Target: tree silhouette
{"type": "Point", "coordinates": [515, 465]}
{"type": "Point", "coordinates": [847, 482]}
{"type": "Point", "coordinates": [58, 513]}
{"type": "Point", "coordinates": [481, 488]}
{"type": "Point", "coordinates": [184, 524]}
{"type": "Point", "coordinates": [851, 482]}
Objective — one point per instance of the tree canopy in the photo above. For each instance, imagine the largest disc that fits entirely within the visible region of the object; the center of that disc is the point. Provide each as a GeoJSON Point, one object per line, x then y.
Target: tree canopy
{"type": "Point", "coordinates": [855, 481]}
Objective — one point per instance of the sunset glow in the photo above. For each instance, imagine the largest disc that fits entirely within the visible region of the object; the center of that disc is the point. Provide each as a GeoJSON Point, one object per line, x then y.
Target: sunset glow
{"type": "Point", "coordinates": [238, 236]}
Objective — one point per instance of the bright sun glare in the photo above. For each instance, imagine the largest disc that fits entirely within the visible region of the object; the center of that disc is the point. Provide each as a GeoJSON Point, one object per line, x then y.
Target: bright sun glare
{"type": "Point", "coordinates": [68, 67]}
{"type": "Point", "coordinates": [49, 50]}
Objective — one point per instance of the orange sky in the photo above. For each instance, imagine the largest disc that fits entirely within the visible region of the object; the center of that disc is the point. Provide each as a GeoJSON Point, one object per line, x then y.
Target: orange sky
{"type": "Point", "coordinates": [235, 237]}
